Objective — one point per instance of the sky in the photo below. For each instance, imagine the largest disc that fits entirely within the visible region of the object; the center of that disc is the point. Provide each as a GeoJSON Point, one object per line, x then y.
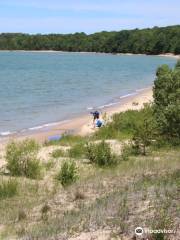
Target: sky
{"type": "Point", "coordinates": [89, 16]}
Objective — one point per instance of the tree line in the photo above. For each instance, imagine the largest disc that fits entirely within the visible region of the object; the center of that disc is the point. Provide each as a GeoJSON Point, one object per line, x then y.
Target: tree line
{"type": "Point", "coordinates": [157, 40]}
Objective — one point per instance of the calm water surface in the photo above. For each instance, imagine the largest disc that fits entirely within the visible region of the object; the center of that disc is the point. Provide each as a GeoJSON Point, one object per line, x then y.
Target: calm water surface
{"type": "Point", "coordinates": [40, 88]}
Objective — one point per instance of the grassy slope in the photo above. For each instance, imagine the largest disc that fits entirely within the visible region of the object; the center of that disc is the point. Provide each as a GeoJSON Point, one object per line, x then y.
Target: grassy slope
{"type": "Point", "coordinates": [115, 200]}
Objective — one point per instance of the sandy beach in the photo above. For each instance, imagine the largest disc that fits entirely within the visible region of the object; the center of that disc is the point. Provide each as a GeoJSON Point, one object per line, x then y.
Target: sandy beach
{"type": "Point", "coordinates": [171, 55]}
{"type": "Point", "coordinates": [82, 124]}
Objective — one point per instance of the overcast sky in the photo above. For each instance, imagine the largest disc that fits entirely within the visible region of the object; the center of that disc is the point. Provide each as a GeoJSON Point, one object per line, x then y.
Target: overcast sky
{"type": "Point", "coordinates": [69, 16]}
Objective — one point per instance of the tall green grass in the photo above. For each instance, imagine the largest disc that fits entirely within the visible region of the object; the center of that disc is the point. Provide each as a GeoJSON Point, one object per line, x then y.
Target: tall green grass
{"type": "Point", "coordinates": [8, 188]}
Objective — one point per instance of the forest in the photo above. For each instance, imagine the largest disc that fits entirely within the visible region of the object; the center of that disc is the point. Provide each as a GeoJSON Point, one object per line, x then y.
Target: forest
{"type": "Point", "coordinates": [156, 40]}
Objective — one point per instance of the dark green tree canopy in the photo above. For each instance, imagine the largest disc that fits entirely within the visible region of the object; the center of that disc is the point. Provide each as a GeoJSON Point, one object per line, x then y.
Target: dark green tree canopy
{"type": "Point", "coordinates": [166, 93]}
{"type": "Point", "coordinates": [146, 41]}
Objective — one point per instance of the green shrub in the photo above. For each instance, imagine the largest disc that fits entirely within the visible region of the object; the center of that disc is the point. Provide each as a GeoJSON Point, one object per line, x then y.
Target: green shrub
{"type": "Point", "coordinates": [144, 130]}
{"type": "Point", "coordinates": [90, 152]}
{"type": "Point", "coordinates": [22, 158]}
{"type": "Point", "coordinates": [100, 154]}
{"type": "Point", "coordinates": [8, 188]}
{"type": "Point", "coordinates": [76, 151]}
{"type": "Point", "coordinates": [68, 173]}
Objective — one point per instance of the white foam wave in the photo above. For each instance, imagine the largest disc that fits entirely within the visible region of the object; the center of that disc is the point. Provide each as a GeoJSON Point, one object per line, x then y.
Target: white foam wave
{"type": "Point", "coordinates": [108, 105]}
{"type": "Point", "coordinates": [7, 133]}
{"type": "Point", "coordinates": [128, 95]}
{"type": "Point", "coordinates": [47, 125]}
{"type": "Point", "coordinates": [90, 108]}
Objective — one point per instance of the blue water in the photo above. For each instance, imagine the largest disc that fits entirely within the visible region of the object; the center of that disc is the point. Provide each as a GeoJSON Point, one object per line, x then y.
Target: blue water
{"type": "Point", "coordinates": [40, 88]}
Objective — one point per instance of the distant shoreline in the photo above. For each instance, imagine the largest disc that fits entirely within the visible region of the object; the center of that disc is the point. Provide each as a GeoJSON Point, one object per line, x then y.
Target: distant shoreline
{"type": "Point", "coordinates": [99, 53]}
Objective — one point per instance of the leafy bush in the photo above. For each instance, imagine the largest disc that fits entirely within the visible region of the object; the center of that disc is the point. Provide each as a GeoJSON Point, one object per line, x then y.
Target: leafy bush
{"type": "Point", "coordinates": [138, 125]}
{"type": "Point", "coordinates": [8, 188]}
{"type": "Point", "coordinates": [100, 154]}
{"type": "Point", "coordinates": [166, 94]}
{"type": "Point", "coordinates": [90, 152]}
{"type": "Point", "coordinates": [22, 158]}
{"type": "Point", "coordinates": [68, 173]}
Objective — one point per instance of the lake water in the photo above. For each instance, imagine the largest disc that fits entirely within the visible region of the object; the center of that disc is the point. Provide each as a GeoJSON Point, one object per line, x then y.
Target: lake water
{"type": "Point", "coordinates": [41, 88]}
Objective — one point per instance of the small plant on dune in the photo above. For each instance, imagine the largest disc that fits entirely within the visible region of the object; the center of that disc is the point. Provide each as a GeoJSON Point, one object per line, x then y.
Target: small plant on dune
{"type": "Point", "coordinates": [44, 212]}
{"type": "Point", "coordinates": [8, 188]}
{"type": "Point", "coordinates": [68, 173]}
{"type": "Point", "coordinates": [100, 154]}
{"type": "Point", "coordinates": [104, 156]}
{"type": "Point", "coordinates": [22, 159]}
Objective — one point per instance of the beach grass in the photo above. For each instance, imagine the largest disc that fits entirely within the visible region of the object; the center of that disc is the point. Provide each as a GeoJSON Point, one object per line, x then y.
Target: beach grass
{"type": "Point", "coordinates": [100, 197]}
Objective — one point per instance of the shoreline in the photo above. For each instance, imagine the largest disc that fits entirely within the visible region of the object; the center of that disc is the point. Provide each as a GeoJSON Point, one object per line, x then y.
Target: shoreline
{"type": "Point", "coordinates": [171, 55]}
{"type": "Point", "coordinates": [82, 123]}
{"type": "Point", "coordinates": [45, 126]}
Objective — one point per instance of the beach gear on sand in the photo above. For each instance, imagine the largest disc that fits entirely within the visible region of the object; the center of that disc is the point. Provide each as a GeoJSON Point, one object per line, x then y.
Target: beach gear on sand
{"type": "Point", "coordinates": [98, 123]}
{"type": "Point", "coordinates": [54, 138]}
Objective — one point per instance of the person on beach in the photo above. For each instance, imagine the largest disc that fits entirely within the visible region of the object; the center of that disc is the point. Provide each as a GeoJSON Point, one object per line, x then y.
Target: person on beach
{"type": "Point", "coordinates": [95, 116]}
{"type": "Point", "coordinates": [96, 120]}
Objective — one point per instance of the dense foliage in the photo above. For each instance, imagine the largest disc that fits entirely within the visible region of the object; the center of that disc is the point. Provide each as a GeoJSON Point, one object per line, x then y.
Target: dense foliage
{"type": "Point", "coordinates": [167, 101]}
{"type": "Point", "coordinates": [100, 154]}
{"type": "Point", "coordinates": [150, 41]}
